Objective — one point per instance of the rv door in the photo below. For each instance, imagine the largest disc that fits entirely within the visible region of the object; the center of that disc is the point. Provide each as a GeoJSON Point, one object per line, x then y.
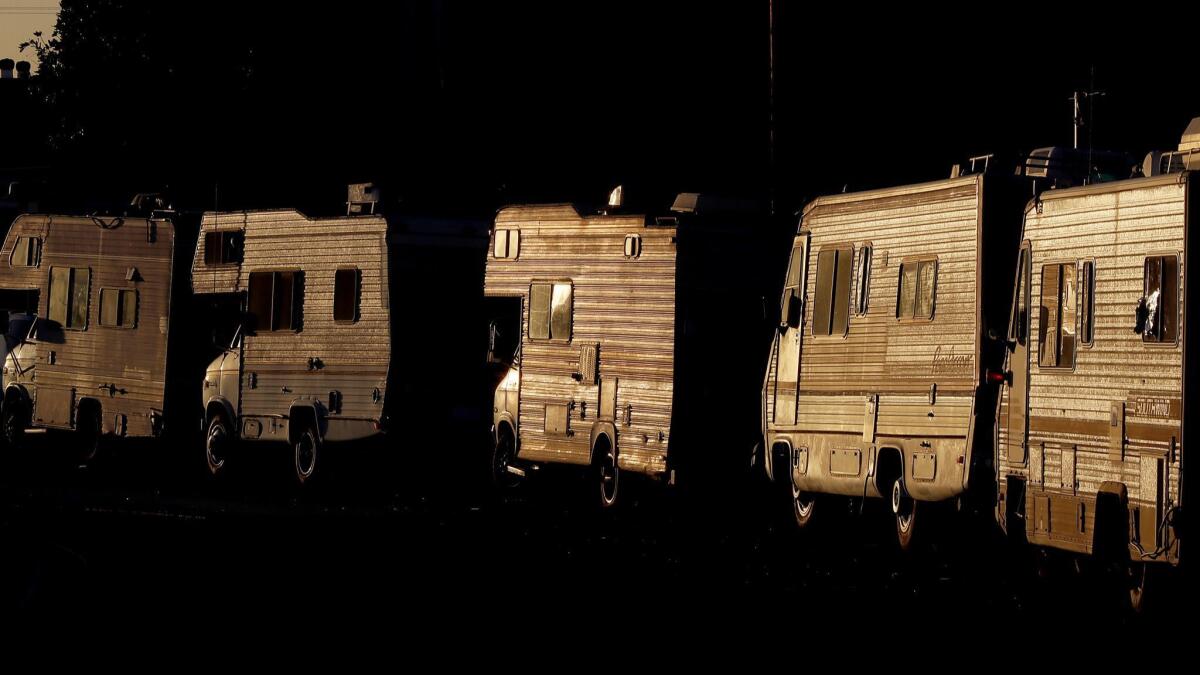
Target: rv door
{"type": "Point", "coordinates": [230, 375]}
{"type": "Point", "coordinates": [1018, 337]}
{"type": "Point", "coordinates": [791, 320]}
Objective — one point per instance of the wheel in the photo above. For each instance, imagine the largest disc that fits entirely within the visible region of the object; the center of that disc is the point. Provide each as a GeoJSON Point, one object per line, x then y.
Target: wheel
{"type": "Point", "coordinates": [904, 508]}
{"type": "Point", "coordinates": [305, 451]}
{"type": "Point", "coordinates": [12, 424]}
{"type": "Point", "coordinates": [216, 444]}
{"type": "Point", "coordinates": [803, 504]}
{"type": "Point", "coordinates": [503, 455]}
{"type": "Point", "coordinates": [608, 473]}
{"type": "Point", "coordinates": [90, 435]}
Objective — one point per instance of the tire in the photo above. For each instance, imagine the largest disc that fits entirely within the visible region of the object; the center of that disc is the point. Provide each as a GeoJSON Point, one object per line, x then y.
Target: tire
{"type": "Point", "coordinates": [608, 474]}
{"type": "Point", "coordinates": [803, 507]}
{"type": "Point", "coordinates": [217, 443]}
{"type": "Point", "coordinates": [305, 455]}
{"type": "Point", "coordinates": [905, 509]}
{"type": "Point", "coordinates": [503, 455]}
{"type": "Point", "coordinates": [12, 424]}
{"type": "Point", "coordinates": [1152, 587]}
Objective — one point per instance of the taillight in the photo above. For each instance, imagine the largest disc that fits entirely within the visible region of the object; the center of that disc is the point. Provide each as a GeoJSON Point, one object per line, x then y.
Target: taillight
{"type": "Point", "coordinates": [998, 376]}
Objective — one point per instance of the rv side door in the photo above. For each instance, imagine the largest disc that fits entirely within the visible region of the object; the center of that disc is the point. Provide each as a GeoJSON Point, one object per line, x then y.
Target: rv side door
{"type": "Point", "coordinates": [1018, 336]}
{"type": "Point", "coordinates": [231, 372]}
{"type": "Point", "coordinates": [791, 320]}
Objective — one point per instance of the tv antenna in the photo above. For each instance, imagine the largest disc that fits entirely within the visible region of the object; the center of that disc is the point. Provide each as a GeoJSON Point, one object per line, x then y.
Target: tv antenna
{"type": "Point", "coordinates": [1077, 100]}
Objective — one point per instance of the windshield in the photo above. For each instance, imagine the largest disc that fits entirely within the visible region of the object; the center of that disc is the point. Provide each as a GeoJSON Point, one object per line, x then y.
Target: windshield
{"type": "Point", "coordinates": [18, 326]}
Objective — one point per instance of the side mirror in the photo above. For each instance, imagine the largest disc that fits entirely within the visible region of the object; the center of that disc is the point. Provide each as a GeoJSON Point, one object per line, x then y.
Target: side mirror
{"type": "Point", "coordinates": [493, 337]}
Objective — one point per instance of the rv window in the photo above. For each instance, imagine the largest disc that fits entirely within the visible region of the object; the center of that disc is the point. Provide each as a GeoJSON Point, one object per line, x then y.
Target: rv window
{"type": "Point", "coordinates": [27, 252]}
{"type": "Point", "coordinates": [346, 289]}
{"type": "Point", "coordinates": [633, 245]}
{"type": "Point", "coordinates": [550, 308]}
{"type": "Point", "coordinates": [1087, 303]}
{"type": "Point", "coordinates": [507, 243]}
{"type": "Point", "coordinates": [276, 300]}
{"type": "Point", "coordinates": [790, 305]}
{"type": "Point", "coordinates": [69, 292]}
{"type": "Point", "coordinates": [1018, 326]}
{"type": "Point", "coordinates": [917, 288]}
{"type": "Point", "coordinates": [118, 307]}
{"type": "Point", "coordinates": [831, 303]}
{"type": "Point", "coordinates": [1161, 286]}
{"type": "Point", "coordinates": [1056, 327]}
{"type": "Point", "coordinates": [223, 248]}
{"type": "Point", "coordinates": [862, 280]}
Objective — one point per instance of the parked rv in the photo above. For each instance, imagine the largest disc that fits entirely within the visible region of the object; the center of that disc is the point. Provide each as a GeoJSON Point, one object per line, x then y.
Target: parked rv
{"type": "Point", "coordinates": [1093, 414]}
{"type": "Point", "coordinates": [335, 343]}
{"type": "Point", "coordinates": [892, 315]}
{"type": "Point", "coordinates": [92, 341]}
{"type": "Point", "coordinates": [632, 339]}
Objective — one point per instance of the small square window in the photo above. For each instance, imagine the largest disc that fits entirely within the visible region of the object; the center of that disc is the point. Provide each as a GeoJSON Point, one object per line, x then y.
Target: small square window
{"type": "Point", "coordinates": [917, 289]}
{"type": "Point", "coordinates": [276, 300]}
{"type": "Point", "coordinates": [507, 244]}
{"type": "Point", "coordinates": [346, 290]}
{"type": "Point", "coordinates": [633, 245]}
{"type": "Point", "coordinates": [118, 307]}
{"type": "Point", "coordinates": [224, 248]}
{"type": "Point", "coordinates": [27, 252]}
{"type": "Point", "coordinates": [550, 309]}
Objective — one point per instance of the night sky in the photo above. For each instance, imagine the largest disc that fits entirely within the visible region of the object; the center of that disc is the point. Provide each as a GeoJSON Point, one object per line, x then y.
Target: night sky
{"type": "Point", "coordinates": [470, 105]}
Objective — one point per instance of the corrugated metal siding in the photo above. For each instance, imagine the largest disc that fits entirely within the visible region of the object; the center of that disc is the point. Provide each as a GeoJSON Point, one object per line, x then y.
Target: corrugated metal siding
{"type": "Point", "coordinates": [627, 306]}
{"type": "Point", "coordinates": [355, 356]}
{"type": "Point", "coordinates": [132, 360]}
{"type": "Point", "coordinates": [1117, 226]}
{"type": "Point", "coordinates": [881, 354]}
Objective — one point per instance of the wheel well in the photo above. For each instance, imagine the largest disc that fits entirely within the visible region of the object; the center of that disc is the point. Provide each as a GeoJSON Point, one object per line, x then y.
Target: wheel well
{"type": "Point", "coordinates": [215, 409]}
{"type": "Point", "coordinates": [505, 428]}
{"type": "Point", "coordinates": [88, 406]}
{"type": "Point", "coordinates": [300, 417]}
{"type": "Point", "coordinates": [780, 453]}
{"type": "Point", "coordinates": [602, 444]}
{"type": "Point", "coordinates": [1110, 533]}
{"type": "Point", "coordinates": [888, 467]}
{"type": "Point", "coordinates": [16, 396]}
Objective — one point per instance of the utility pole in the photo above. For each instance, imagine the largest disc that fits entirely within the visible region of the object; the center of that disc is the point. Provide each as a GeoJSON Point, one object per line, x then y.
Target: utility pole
{"type": "Point", "coordinates": [771, 104]}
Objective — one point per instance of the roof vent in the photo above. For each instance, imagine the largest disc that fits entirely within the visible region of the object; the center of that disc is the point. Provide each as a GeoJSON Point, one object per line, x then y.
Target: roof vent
{"type": "Point", "coordinates": [361, 198]}
{"type": "Point", "coordinates": [616, 198]}
{"type": "Point", "coordinates": [1159, 162]}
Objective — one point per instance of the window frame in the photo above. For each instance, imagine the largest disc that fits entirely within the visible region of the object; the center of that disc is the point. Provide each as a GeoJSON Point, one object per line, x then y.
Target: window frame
{"type": "Point", "coordinates": [296, 323]}
{"type": "Point", "coordinates": [918, 260]}
{"type": "Point", "coordinates": [550, 334]}
{"type": "Point", "coordinates": [356, 293]}
{"type": "Point", "coordinates": [118, 290]}
{"type": "Point", "coordinates": [87, 311]}
{"type": "Point", "coordinates": [13, 254]}
{"type": "Point", "coordinates": [223, 235]}
{"type": "Point", "coordinates": [510, 242]}
{"type": "Point", "coordinates": [1162, 344]}
{"type": "Point", "coordinates": [1087, 291]}
{"type": "Point", "coordinates": [860, 285]}
{"type": "Point", "coordinates": [840, 248]}
{"type": "Point", "coordinates": [1076, 321]}
{"type": "Point", "coordinates": [634, 252]}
